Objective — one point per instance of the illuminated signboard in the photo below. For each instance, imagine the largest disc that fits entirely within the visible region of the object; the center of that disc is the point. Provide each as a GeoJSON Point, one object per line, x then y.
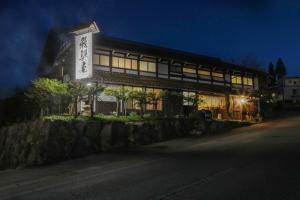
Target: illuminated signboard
{"type": "Point", "coordinates": [83, 56]}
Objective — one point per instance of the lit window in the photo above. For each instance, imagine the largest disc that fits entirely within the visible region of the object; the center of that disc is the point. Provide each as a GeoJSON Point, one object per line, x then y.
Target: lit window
{"type": "Point", "coordinates": [151, 67]}
{"type": "Point", "coordinates": [100, 60]}
{"type": "Point", "coordinates": [115, 62]}
{"type": "Point", "coordinates": [121, 62]}
{"type": "Point", "coordinates": [96, 59]}
{"type": "Point", "coordinates": [134, 64]}
{"type": "Point", "coordinates": [250, 81]}
{"type": "Point", "coordinates": [189, 70]}
{"type": "Point", "coordinates": [104, 60]}
{"type": "Point", "coordinates": [154, 105]}
{"type": "Point", "coordinates": [147, 66]}
{"type": "Point", "coordinates": [247, 81]}
{"type": "Point", "coordinates": [128, 63]}
{"type": "Point", "coordinates": [236, 79]}
{"type": "Point", "coordinates": [143, 66]}
{"type": "Point", "coordinates": [203, 72]}
{"type": "Point", "coordinates": [217, 74]}
{"type": "Point", "coordinates": [118, 62]}
{"type": "Point", "coordinates": [211, 102]}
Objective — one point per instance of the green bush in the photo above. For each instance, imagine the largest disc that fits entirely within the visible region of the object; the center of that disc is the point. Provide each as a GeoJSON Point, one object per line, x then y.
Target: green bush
{"type": "Point", "coordinates": [64, 118]}
{"type": "Point", "coordinates": [133, 116]}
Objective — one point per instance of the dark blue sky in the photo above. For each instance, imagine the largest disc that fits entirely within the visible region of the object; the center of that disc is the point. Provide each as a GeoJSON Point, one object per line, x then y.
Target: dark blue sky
{"type": "Point", "coordinates": [266, 29]}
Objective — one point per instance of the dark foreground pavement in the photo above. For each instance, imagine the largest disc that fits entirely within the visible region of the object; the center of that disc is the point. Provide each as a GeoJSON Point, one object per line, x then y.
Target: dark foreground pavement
{"type": "Point", "coordinates": [257, 162]}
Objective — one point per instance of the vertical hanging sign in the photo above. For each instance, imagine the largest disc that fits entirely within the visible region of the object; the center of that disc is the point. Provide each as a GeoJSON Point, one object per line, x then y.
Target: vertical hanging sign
{"type": "Point", "coordinates": [83, 56]}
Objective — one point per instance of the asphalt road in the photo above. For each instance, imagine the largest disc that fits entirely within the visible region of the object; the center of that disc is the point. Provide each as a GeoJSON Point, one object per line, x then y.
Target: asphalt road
{"type": "Point", "coordinates": [257, 162]}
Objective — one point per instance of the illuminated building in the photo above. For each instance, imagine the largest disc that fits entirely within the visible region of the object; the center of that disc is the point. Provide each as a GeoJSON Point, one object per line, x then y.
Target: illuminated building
{"type": "Point", "coordinates": [84, 54]}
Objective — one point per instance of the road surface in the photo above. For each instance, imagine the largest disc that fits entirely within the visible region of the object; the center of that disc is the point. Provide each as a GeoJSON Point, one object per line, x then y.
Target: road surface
{"type": "Point", "coordinates": [257, 162]}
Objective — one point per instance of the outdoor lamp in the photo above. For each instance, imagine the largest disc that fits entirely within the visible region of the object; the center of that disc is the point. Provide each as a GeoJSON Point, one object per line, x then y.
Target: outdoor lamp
{"type": "Point", "coordinates": [243, 100]}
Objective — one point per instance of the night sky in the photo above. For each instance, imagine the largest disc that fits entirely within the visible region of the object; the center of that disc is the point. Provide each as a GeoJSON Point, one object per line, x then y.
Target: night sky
{"type": "Point", "coordinates": [229, 29]}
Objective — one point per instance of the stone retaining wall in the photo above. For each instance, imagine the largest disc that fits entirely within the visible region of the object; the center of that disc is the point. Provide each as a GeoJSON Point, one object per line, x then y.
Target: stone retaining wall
{"type": "Point", "coordinates": [42, 141]}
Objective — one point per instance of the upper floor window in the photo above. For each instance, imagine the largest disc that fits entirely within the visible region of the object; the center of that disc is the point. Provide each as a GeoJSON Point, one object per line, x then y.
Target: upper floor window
{"type": "Point", "coordinates": [163, 67]}
{"type": "Point", "coordinates": [118, 62]}
{"type": "Point", "coordinates": [147, 66]}
{"type": "Point", "coordinates": [247, 81]}
{"type": "Point", "coordinates": [101, 60]}
{"type": "Point", "coordinates": [236, 79]}
{"type": "Point", "coordinates": [217, 74]}
{"type": "Point", "coordinates": [189, 70]}
{"type": "Point", "coordinates": [176, 67]}
{"type": "Point", "coordinates": [130, 64]}
{"type": "Point", "coordinates": [204, 72]}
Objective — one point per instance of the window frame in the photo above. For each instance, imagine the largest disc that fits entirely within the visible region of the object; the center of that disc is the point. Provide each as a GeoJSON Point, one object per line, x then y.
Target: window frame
{"type": "Point", "coordinates": [217, 74]}
{"type": "Point", "coordinates": [148, 66]}
{"type": "Point", "coordinates": [99, 59]}
{"type": "Point", "coordinates": [204, 74]}
{"type": "Point", "coordinates": [186, 70]}
{"type": "Point", "coordinates": [236, 77]}
{"type": "Point", "coordinates": [247, 80]}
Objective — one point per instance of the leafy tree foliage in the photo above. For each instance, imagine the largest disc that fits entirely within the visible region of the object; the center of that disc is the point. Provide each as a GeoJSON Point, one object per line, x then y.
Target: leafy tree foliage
{"type": "Point", "coordinates": [43, 89]}
{"type": "Point", "coordinates": [76, 90]}
{"type": "Point", "coordinates": [142, 98]}
{"type": "Point", "coordinates": [176, 97]}
{"type": "Point", "coordinates": [154, 98]}
{"type": "Point", "coordinates": [93, 91]}
{"type": "Point", "coordinates": [122, 96]}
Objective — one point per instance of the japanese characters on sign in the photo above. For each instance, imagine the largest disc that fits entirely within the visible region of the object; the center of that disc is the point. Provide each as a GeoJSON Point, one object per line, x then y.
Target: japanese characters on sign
{"type": "Point", "coordinates": [83, 51]}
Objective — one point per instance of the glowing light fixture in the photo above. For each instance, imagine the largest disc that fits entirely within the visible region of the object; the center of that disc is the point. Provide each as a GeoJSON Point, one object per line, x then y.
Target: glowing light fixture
{"type": "Point", "coordinates": [243, 100]}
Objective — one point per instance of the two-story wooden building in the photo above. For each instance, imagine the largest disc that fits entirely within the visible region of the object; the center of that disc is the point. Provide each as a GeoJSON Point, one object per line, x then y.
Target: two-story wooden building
{"type": "Point", "coordinates": [84, 54]}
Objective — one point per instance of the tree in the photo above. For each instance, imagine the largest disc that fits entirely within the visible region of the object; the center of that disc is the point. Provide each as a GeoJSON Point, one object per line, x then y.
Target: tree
{"type": "Point", "coordinates": [280, 69]}
{"type": "Point", "coordinates": [176, 97]}
{"type": "Point", "coordinates": [142, 98]}
{"type": "Point", "coordinates": [121, 94]}
{"type": "Point", "coordinates": [154, 98]}
{"type": "Point", "coordinates": [124, 97]}
{"type": "Point", "coordinates": [272, 74]}
{"type": "Point", "coordinates": [93, 91]}
{"type": "Point", "coordinates": [43, 89]}
{"type": "Point", "coordinates": [76, 90]}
